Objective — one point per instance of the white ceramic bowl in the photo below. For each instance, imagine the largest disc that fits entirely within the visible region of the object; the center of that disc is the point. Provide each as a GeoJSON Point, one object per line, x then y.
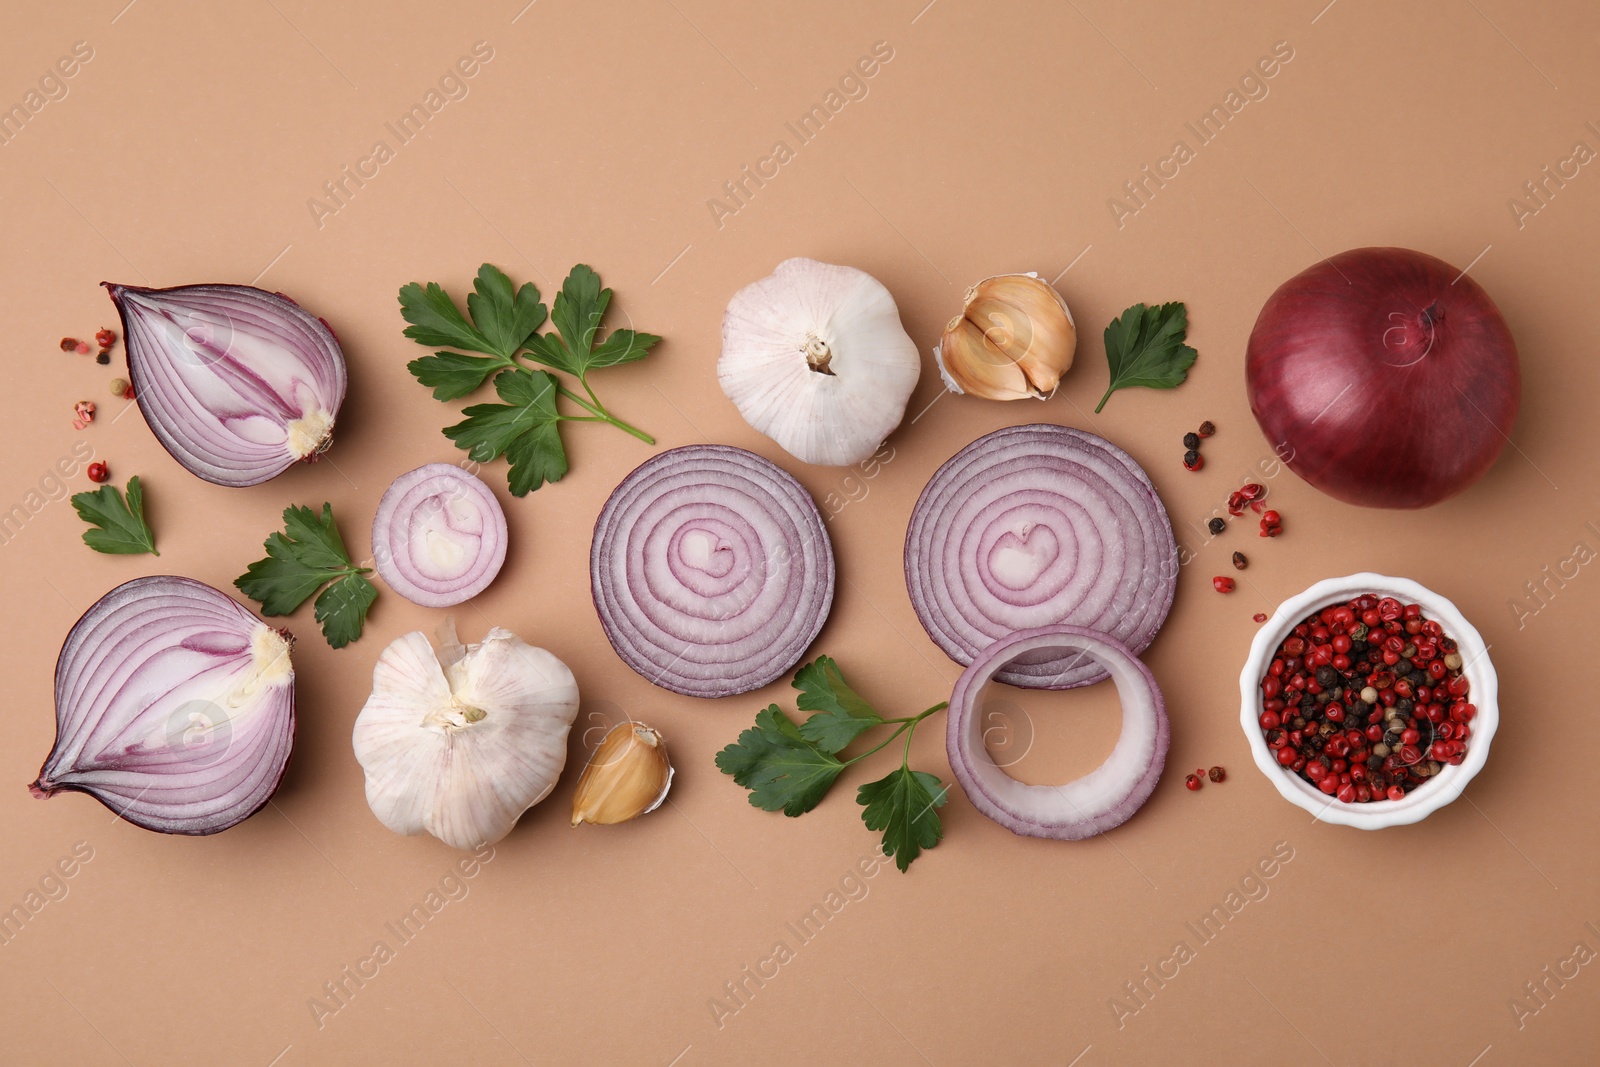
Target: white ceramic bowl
{"type": "Point", "coordinates": [1431, 795]}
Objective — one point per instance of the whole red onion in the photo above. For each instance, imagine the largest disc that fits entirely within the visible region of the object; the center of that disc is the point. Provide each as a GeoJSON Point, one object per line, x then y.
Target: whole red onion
{"type": "Point", "coordinates": [1384, 377]}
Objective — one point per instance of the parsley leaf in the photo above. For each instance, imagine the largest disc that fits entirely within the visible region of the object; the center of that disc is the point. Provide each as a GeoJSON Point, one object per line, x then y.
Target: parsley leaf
{"type": "Point", "coordinates": [1144, 346]}
{"type": "Point", "coordinates": [504, 327]}
{"type": "Point", "coordinates": [506, 319]}
{"type": "Point", "coordinates": [579, 307]}
{"type": "Point", "coordinates": [452, 375]}
{"type": "Point", "coordinates": [435, 320]}
{"type": "Point", "coordinates": [902, 806]}
{"type": "Point", "coordinates": [779, 767]}
{"type": "Point", "coordinates": [307, 555]}
{"type": "Point", "coordinates": [842, 714]}
{"type": "Point", "coordinates": [117, 525]}
{"type": "Point", "coordinates": [525, 429]}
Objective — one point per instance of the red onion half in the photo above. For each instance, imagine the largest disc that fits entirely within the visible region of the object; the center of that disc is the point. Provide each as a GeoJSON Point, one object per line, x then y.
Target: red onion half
{"type": "Point", "coordinates": [236, 382]}
{"type": "Point", "coordinates": [174, 708]}
{"type": "Point", "coordinates": [1384, 377]}
{"type": "Point", "coordinates": [439, 536]}
{"type": "Point", "coordinates": [711, 570]}
{"type": "Point", "coordinates": [1034, 526]}
{"type": "Point", "coordinates": [1102, 799]}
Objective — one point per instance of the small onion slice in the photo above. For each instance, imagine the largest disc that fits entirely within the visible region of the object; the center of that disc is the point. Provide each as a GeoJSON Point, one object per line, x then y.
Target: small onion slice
{"type": "Point", "coordinates": [174, 708]}
{"type": "Point", "coordinates": [1040, 525]}
{"type": "Point", "coordinates": [439, 536]}
{"type": "Point", "coordinates": [1102, 799]}
{"type": "Point", "coordinates": [236, 382]}
{"type": "Point", "coordinates": [711, 570]}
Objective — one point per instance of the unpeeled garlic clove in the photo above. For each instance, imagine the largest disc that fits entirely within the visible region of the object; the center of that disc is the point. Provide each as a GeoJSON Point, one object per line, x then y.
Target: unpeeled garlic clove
{"type": "Point", "coordinates": [628, 776]}
{"type": "Point", "coordinates": [1013, 339]}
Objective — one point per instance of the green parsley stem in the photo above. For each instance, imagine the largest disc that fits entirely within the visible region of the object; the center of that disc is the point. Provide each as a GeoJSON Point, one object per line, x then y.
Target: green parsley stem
{"type": "Point", "coordinates": [905, 726]}
{"type": "Point", "coordinates": [601, 414]}
{"type": "Point", "coordinates": [1104, 399]}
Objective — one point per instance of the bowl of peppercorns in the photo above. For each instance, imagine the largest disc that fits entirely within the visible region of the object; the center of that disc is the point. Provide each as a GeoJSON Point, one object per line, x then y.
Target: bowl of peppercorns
{"type": "Point", "coordinates": [1369, 701]}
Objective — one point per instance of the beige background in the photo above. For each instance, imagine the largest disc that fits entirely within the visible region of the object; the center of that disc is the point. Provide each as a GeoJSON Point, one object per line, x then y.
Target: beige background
{"type": "Point", "coordinates": [187, 150]}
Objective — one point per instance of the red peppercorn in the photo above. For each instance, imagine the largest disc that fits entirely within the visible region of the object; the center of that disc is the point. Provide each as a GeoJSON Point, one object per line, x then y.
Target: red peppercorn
{"type": "Point", "coordinates": [1193, 781]}
{"type": "Point", "coordinates": [105, 338]}
{"type": "Point", "coordinates": [1286, 755]}
{"type": "Point", "coordinates": [1396, 793]}
{"type": "Point", "coordinates": [127, 394]}
{"type": "Point", "coordinates": [1222, 585]}
{"type": "Point", "coordinates": [98, 472]}
{"type": "Point", "coordinates": [1259, 616]}
{"type": "Point", "coordinates": [1347, 794]}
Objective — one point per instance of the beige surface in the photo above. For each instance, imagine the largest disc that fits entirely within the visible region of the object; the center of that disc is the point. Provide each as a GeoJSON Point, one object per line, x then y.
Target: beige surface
{"type": "Point", "coordinates": [187, 149]}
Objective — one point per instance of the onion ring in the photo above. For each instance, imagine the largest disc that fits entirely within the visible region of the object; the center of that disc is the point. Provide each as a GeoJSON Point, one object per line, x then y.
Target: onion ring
{"type": "Point", "coordinates": [1102, 799]}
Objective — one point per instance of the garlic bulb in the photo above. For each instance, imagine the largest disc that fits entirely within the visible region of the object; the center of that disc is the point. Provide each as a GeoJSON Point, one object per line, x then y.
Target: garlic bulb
{"type": "Point", "coordinates": [461, 743]}
{"type": "Point", "coordinates": [814, 357]}
{"type": "Point", "coordinates": [1013, 339]}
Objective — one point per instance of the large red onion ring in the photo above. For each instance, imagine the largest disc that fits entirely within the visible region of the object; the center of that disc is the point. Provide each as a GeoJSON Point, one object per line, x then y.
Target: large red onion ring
{"type": "Point", "coordinates": [1102, 799]}
{"type": "Point", "coordinates": [711, 571]}
{"type": "Point", "coordinates": [174, 708]}
{"type": "Point", "coordinates": [1033, 526]}
{"type": "Point", "coordinates": [439, 536]}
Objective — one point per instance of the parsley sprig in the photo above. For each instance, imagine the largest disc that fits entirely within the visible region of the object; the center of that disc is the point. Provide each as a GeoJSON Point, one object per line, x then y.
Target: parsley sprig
{"type": "Point", "coordinates": [526, 427]}
{"type": "Point", "coordinates": [1144, 346]}
{"type": "Point", "coordinates": [117, 524]}
{"type": "Point", "coordinates": [306, 556]}
{"type": "Point", "coordinates": [790, 767]}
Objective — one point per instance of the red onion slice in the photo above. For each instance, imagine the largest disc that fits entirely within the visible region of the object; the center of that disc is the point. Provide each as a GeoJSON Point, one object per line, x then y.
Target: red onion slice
{"type": "Point", "coordinates": [174, 708]}
{"type": "Point", "coordinates": [1034, 526]}
{"type": "Point", "coordinates": [1102, 799]}
{"type": "Point", "coordinates": [439, 536]}
{"type": "Point", "coordinates": [236, 382]}
{"type": "Point", "coordinates": [711, 570]}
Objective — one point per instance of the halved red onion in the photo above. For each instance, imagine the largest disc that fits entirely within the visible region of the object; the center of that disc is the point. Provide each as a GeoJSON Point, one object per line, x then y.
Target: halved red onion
{"type": "Point", "coordinates": [1034, 526]}
{"type": "Point", "coordinates": [711, 571]}
{"type": "Point", "coordinates": [439, 536]}
{"type": "Point", "coordinates": [1102, 799]}
{"type": "Point", "coordinates": [174, 708]}
{"type": "Point", "coordinates": [236, 382]}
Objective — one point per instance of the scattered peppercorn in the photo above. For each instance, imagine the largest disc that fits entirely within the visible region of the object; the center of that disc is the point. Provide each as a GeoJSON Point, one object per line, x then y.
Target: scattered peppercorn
{"type": "Point", "coordinates": [1217, 525]}
{"type": "Point", "coordinates": [1366, 718]}
{"type": "Point", "coordinates": [1192, 460]}
{"type": "Point", "coordinates": [1193, 781]}
{"type": "Point", "coordinates": [1207, 429]}
{"type": "Point", "coordinates": [1271, 524]}
{"type": "Point", "coordinates": [1222, 585]}
{"type": "Point", "coordinates": [82, 348]}
{"type": "Point", "coordinates": [98, 472]}
{"type": "Point", "coordinates": [1239, 562]}
{"type": "Point", "coordinates": [105, 338]}
{"type": "Point", "coordinates": [103, 358]}
{"type": "Point", "coordinates": [69, 344]}
{"type": "Point", "coordinates": [82, 414]}
{"type": "Point", "coordinates": [119, 386]}
{"type": "Point", "coordinates": [1260, 616]}
{"type": "Point", "coordinates": [127, 394]}
{"type": "Point", "coordinates": [1216, 774]}
{"type": "Point", "coordinates": [1191, 441]}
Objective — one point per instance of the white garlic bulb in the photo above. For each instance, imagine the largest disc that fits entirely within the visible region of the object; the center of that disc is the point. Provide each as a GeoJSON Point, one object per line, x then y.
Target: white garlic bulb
{"type": "Point", "coordinates": [814, 357]}
{"type": "Point", "coordinates": [461, 743]}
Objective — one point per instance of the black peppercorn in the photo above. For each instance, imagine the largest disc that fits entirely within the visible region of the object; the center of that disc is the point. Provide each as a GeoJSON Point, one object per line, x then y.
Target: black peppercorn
{"type": "Point", "coordinates": [1191, 458]}
{"type": "Point", "coordinates": [1327, 676]}
{"type": "Point", "coordinates": [103, 358]}
{"type": "Point", "coordinates": [1239, 562]}
{"type": "Point", "coordinates": [1191, 441]}
{"type": "Point", "coordinates": [1217, 525]}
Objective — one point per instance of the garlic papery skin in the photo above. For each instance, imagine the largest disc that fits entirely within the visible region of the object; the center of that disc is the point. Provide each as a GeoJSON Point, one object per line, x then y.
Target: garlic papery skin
{"type": "Point", "coordinates": [628, 776]}
{"type": "Point", "coordinates": [1014, 339]}
{"type": "Point", "coordinates": [460, 743]}
{"type": "Point", "coordinates": [814, 356]}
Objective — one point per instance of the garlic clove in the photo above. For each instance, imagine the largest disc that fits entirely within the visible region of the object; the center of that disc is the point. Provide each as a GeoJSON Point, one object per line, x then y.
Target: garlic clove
{"type": "Point", "coordinates": [1014, 338]}
{"type": "Point", "coordinates": [815, 357]}
{"type": "Point", "coordinates": [460, 743]}
{"type": "Point", "coordinates": [628, 776]}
